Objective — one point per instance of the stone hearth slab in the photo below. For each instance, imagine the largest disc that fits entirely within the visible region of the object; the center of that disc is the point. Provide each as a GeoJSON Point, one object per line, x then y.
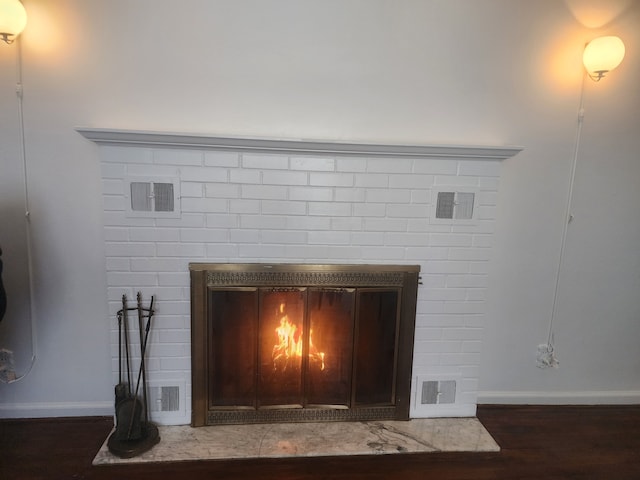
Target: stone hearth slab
{"type": "Point", "coordinates": [184, 443]}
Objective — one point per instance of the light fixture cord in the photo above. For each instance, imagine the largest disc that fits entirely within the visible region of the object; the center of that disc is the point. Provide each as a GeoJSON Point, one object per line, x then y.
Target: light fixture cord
{"type": "Point", "coordinates": [25, 171]}
{"type": "Point", "coordinates": [568, 217]}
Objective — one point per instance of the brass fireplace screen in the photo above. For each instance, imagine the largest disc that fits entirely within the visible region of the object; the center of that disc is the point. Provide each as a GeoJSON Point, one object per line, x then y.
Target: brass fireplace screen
{"type": "Point", "coordinates": [298, 342]}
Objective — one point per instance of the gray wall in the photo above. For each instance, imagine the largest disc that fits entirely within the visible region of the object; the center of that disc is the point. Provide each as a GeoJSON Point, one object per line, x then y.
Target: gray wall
{"type": "Point", "coordinates": [448, 71]}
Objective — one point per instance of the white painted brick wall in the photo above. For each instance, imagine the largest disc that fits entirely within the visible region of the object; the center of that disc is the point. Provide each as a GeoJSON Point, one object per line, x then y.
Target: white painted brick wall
{"type": "Point", "coordinates": [239, 207]}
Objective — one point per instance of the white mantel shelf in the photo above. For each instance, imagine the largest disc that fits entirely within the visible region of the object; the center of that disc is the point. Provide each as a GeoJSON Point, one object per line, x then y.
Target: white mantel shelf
{"type": "Point", "coordinates": [148, 139]}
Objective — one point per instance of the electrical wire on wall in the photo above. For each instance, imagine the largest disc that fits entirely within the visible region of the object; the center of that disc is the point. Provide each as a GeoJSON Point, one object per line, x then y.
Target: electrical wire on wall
{"type": "Point", "coordinates": [25, 171]}
{"type": "Point", "coordinates": [546, 354]}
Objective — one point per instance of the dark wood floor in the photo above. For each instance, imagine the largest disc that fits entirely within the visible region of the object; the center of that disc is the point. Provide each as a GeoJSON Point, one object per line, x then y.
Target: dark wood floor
{"type": "Point", "coordinates": [541, 443]}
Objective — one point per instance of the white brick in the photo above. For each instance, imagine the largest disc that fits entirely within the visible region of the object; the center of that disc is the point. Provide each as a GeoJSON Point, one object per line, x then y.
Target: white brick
{"type": "Point", "coordinates": [383, 253]}
{"type": "Point", "coordinates": [372, 180]}
{"type": "Point", "coordinates": [464, 307]}
{"type": "Point", "coordinates": [421, 197]}
{"type": "Point", "coordinates": [115, 279]}
{"type": "Point", "coordinates": [244, 206]}
{"type": "Point", "coordinates": [310, 253]}
{"type": "Point", "coordinates": [476, 294]}
{"type": "Point", "coordinates": [479, 168]}
{"type": "Point", "coordinates": [118, 264]}
{"type": "Point", "coordinates": [283, 237]}
{"type": "Point", "coordinates": [385, 224]}
{"type": "Point", "coordinates": [407, 211]}
{"type": "Point", "coordinates": [174, 336]}
{"type": "Point", "coordinates": [318, 164]}
{"type": "Point", "coordinates": [130, 249]}
{"type": "Point", "coordinates": [188, 250]}
{"type": "Point", "coordinates": [486, 212]}
{"type": "Point", "coordinates": [472, 347]}
{"type": "Point", "coordinates": [221, 220]}
{"type": "Point", "coordinates": [428, 253]}
{"type": "Point", "coordinates": [331, 209]}
{"type": "Point", "coordinates": [284, 208]}
{"type": "Point", "coordinates": [221, 251]}
{"type": "Point", "coordinates": [203, 235]}
{"type": "Point", "coordinates": [439, 346]}
{"type": "Point", "coordinates": [343, 253]}
{"type": "Point", "coordinates": [159, 265]}
{"type": "Point", "coordinates": [262, 252]}
{"type": "Point", "coordinates": [388, 196]}
{"type": "Point", "coordinates": [329, 238]}
{"type": "Point", "coordinates": [407, 239]}
{"type": "Point", "coordinates": [191, 189]}
{"type": "Point", "coordinates": [428, 333]}
{"type": "Point", "coordinates": [389, 165]}
{"type": "Point", "coordinates": [367, 238]}
{"type": "Point", "coordinates": [469, 254]}
{"type": "Point", "coordinates": [112, 171]}
{"type": "Point", "coordinates": [446, 294]}
{"type": "Point", "coordinates": [116, 234]}
{"type": "Point", "coordinates": [346, 223]}
{"type": "Point", "coordinates": [460, 359]}
{"type": "Point", "coordinates": [308, 223]}
{"type": "Point", "coordinates": [250, 160]}
{"type": "Point", "coordinates": [447, 180]}
{"type": "Point", "coordinates": [174, 278]}
{"type": "Point", "coordinates": [244, 236]}
{"type": "Point", "coordinates": [449, 240]}
{"type": "Point", "coordinates": [175, 363]}
{"type": "Point", "coordinates": [490, 184]}
{"type": "Point", "coordinates": [418, 225]}
{"type": "Point", "coordinates": [266, 192]}
{"type": "Point", "coordinates": [146, 171]}
{"type": "Point", "coordinates": [222, 190]}
{"type": "Point", "coordinates": [284, 178]}
{"type": "Point", "coordinates": [205, 175]}
{"type": "Point", "coordinates": [245, 176]}
{"type": "Point", "coordinates": [350, 194]}
{"type": "Point", "coordinates": [487, 198]}
{"type": "Point", "coordinates": [331, 179]}
{"type": "Point", "coordinates": [125, 154]}
{"type": "Point", "coordinates": [410, 181]}
{"type": "Point", "coordinates": [462, 333]}
{"type": "Point", "coordinates": [204, 205]}
{"type": "Point", "coordinates": [149, 234]}
{"type": "Point", "coordinates": [435, 166]}
{"type": "Point", "coordinates": [221, 159]}
{"type": "Point", "coordinates": [177, 157]}
{"type": "Point", "coordinates": [111, 186]}
{"type": "Point", "coordinates": [467, 281]}
{"type": "Point", "coordinates": [273, 222]}
{"type": "Point", "coordinates": [369, 209]}
{"type": "Point", "coordinates": [483, 241]}
{"type": "Point", "coordinates": [349, 164]}
{"type": "Point", "coordinates": [314, 194]}
{"type": "Point", "coordinates": [446, 267]}
{"type": "Point", "coordinates": [185, 220]}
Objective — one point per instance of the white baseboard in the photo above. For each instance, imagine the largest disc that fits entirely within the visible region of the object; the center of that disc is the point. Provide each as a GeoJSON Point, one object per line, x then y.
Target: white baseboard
{"type": "Point", "coordinates": [606, 397]}
{"type": "Point", "coordinates": [450, 410]}
{"type": "Point", "coordinates": [58, 409]}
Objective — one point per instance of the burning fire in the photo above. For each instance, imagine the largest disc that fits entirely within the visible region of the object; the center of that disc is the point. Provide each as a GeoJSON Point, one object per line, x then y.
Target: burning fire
{"type": "Point", "coordinates": [289, 344]}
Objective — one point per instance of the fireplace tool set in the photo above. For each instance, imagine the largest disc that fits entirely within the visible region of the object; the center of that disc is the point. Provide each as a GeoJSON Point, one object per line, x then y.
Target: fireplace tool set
{"type": "Point", "coordinates": [134, 433]}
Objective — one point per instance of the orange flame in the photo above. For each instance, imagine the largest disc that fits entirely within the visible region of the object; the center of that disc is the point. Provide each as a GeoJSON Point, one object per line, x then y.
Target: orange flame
{"type": "Point", "coordinates": [289, 344]}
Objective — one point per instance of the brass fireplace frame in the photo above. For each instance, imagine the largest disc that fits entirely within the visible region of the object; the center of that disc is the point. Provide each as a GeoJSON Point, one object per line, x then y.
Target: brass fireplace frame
{"type": "Point", "coordinates": [205, 276]}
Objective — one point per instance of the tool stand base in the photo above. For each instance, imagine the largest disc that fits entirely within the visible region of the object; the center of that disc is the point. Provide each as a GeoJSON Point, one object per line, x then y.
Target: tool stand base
{"type": "Point", "coordinates": [133, 448]}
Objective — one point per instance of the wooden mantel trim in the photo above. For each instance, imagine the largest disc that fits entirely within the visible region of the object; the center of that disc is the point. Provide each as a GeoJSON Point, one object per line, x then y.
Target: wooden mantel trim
{"type": "Point", "coordinates": [136, 138]}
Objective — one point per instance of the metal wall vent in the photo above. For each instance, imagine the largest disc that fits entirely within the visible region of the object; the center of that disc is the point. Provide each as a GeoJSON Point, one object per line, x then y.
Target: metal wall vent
{"type": "Point", "coordinates": [455, 205]}
{"type": "Point", "coordinates": [436, 392]}
{"type": "Point", "coordinates": [152, 197]}
{"type": "Point", "coordinates": [164, 399]}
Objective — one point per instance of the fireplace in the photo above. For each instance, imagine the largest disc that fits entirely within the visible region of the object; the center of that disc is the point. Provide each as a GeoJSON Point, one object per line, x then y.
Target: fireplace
{"type": "Point", "coordinates": [298, 342]}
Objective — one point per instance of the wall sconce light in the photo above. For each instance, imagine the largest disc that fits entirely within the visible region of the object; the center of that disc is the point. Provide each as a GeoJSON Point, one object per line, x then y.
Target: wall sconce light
{"type": "Point", "coordinates": [601, 55]}
{"type": "Point", "coordinates": [13, 19]}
